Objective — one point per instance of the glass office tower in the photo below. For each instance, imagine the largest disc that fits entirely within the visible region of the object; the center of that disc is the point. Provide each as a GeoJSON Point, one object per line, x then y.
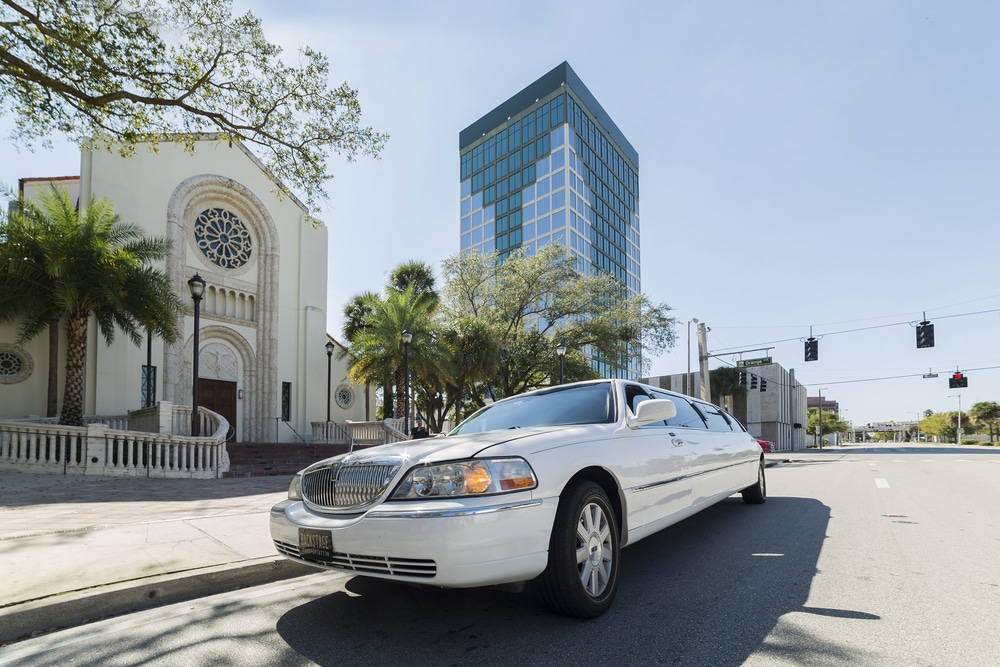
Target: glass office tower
{"type": "Point", "coordinates": [550, 166]}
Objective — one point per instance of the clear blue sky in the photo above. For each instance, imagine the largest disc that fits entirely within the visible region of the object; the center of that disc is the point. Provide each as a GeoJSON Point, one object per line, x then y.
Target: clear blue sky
{"type": "Point", "coordinates": [825, 164]}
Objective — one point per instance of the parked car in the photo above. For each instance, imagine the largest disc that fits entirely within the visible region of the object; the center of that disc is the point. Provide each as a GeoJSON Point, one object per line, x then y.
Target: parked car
{"type": "Point", "coordinates": [766, 445]}
{"type": "Point", "coordinates": [547, 486]}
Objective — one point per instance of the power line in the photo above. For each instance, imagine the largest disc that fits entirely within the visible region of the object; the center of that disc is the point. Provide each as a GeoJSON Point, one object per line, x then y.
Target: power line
{"type": "Point", "coordinates": [894, 377]}
{"type": "Point", "coordinates": [846, 331]}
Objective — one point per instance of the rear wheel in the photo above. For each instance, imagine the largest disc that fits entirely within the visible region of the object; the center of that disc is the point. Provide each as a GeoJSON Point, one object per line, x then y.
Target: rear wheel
{"type": "Point", "coordinates": [584, 553]}
{"type": "Point", "coordinates": [756, 494]}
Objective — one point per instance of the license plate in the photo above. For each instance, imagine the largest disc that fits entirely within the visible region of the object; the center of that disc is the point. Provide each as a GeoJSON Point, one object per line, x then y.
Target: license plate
{"type": "Point", "coordinates": [315, 543]}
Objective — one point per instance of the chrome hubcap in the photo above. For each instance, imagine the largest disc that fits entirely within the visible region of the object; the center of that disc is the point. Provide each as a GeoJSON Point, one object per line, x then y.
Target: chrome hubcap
{"type": "Point", "coordinates": [593, 552]}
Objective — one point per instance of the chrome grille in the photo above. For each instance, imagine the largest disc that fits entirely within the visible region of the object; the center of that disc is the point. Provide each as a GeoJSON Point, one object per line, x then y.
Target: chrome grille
{"type": "Point", "coordinates": [385, 566]}
{"type": "Point", "coordinates": [348, 483]}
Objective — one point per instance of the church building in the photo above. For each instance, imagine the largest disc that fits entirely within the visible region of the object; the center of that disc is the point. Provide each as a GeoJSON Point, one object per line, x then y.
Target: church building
{"type": "Point", "coordinates": [263, 357]}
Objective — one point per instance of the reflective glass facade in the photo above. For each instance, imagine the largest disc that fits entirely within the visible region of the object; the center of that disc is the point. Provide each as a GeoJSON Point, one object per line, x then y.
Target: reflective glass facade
{"type": "Point", "coordinates": [549, 166]}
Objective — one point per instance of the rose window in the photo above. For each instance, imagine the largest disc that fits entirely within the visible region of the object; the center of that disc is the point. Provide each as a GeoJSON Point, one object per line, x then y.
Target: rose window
{"type": "Point", "coordinates": [222, 238]}
{"type": "Point", "coordinates": [10, 364]}
{"type": "Point", "coordinates": [15, 364]}
{"type": "Point", "coordinates": [345, 396]}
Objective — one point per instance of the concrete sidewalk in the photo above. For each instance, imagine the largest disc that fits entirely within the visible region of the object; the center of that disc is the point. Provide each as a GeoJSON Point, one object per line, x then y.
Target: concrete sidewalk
{"type": "Point", "coordinates": [74, 549]}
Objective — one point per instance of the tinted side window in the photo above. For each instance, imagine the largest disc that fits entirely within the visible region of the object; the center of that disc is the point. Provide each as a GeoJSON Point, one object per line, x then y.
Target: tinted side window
{"type": "Point", "coordinates": [634, 395]}
{"type": "Point", "coordinates": [713, 417]}
{"type": "Point", "coordinates": [686, 416]}
{"type": "Point", "coordinates": [734, 422]}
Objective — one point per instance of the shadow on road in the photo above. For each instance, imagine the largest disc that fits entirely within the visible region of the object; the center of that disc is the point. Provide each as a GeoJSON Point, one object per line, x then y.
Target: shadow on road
{"type": "Point", "coordinates": [707, 591]}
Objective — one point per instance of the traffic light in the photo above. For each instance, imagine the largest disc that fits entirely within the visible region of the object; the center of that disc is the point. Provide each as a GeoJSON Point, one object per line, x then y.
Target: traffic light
{"type": "Point", "coordinates": [753, 381]}
{"type": "Point", "coordinates": [958, 381]}
{"type": "Point", "coordinates": [763, 384]}
{"type": "Point", "coordinates": [812, 349]}
{"type": "Point", "coordinates": [743, 378]}
{"type": "Point", "coordinates": [925, 334]}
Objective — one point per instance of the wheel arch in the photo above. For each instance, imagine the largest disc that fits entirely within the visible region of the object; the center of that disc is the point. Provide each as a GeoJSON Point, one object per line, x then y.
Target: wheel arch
{"type": "Point", "coordinates": [609, 484]}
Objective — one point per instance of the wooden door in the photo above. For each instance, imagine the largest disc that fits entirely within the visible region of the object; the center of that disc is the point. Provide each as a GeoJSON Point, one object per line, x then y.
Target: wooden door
{"type": "Point", "coordinates": [219, 396]}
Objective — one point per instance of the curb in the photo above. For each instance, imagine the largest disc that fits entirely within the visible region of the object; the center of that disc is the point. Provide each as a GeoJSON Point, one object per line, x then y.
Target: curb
{"type": "Point", "coordinates": [35, 617]}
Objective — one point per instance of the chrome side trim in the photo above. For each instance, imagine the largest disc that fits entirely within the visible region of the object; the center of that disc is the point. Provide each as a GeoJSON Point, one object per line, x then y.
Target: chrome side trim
{"type": "Point", "coordinates": [465, 511]}
{"type": "Point", "coordinates": [664, 482]}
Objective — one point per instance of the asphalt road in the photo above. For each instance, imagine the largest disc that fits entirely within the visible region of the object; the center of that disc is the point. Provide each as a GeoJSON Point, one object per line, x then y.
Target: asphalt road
{"type": "Point", "coordinates": [860, 557]}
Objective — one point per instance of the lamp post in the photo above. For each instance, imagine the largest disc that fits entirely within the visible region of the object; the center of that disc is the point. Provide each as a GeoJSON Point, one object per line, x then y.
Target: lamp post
{"type": "Point", "coordinates": [561, 353]}
{"type": "Point", "coordinates": [958, 433]}
{"type": "Point", "coordinates": [197, 286]}
{"type": "Point", "coordinates": [329, 357]}
{"type": "Point", "coordinates": [407, 339]}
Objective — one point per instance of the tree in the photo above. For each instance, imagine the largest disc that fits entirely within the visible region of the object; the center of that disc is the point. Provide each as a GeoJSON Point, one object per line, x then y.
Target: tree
{"type": "Point", "coordinates": [116, 74]}
{"type": "Point", "coordinates": [935, 425]}
{"type": "Point", "coordinates": [56, 262]}
{"type": "Point", "coordinates": [725, 381]}
{"type": "Point", "coordinates": [529, 304]}
{"type": "Point", "coordinates": [831, 422]}
{"type": "Point", "coordinates": [418, 275]}
{"type": "Point", "coordinates": [986, 413]}
{"type": "Point", "coordinates": [474, 359]}
{"type": "Point", "coordinates": [377, 351]}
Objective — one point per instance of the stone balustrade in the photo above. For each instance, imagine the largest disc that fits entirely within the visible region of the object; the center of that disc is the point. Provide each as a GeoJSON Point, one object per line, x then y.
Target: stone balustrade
{"type": "Point", "coordinates": [358, 434]}
{"type": "Point", "coordinates": [161, 446]}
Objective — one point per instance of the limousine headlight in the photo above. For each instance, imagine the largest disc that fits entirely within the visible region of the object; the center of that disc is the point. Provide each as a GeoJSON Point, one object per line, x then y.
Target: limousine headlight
{"type": "Point", "coordinates": [295, 487]}
{"type": "Point", "coordinates": [475, 477]}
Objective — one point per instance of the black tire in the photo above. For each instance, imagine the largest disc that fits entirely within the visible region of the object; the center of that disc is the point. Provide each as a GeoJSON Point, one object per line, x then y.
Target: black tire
{"type": "Point", "coordinates": [581, 579]}
{"type": "Point", "coordinates": [757, 493]}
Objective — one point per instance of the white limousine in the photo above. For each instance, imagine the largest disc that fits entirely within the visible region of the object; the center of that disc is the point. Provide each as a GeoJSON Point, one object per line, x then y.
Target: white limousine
{"type": "Point", "coordinates": [545, 486]}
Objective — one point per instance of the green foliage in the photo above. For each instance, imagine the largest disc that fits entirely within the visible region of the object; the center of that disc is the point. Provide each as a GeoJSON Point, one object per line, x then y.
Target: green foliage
{"type": "Point", "coordinates": [725, 381]}
{"type": "Point", "coordinates": [116, 74]}
{"type": "Point", "coordinates": [529, 304]}
{"type": "Point", "coordinates": [831, 423]}
{"type": "Point", "coordinates": [986, 414]}
{"type": "Point", "coordinates": [56, 263]}
{"type": "Point", "coordinates": [494, 332]}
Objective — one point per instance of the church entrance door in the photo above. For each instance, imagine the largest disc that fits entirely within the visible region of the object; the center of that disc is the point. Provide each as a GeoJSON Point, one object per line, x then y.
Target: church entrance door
{"type": "Point", "coordinates": [219, 396]}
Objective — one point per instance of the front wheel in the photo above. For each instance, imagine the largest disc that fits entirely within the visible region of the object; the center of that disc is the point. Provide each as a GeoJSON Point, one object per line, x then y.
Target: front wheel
{"type": "Point", "coordinates": [584, 552]}
{"type": "Point", "coordinates": [757, 493]}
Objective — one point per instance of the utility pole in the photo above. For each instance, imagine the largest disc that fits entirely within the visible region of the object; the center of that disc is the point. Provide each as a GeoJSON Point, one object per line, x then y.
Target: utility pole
{"type": "Point", "coordinates": [706, 389]}
{"type": "Point", "coordinates": [687, 378]}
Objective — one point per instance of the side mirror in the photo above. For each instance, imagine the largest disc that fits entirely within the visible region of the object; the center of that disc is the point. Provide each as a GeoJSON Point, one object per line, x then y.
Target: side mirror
{"type": "Point", "coordinates": [653, 410]}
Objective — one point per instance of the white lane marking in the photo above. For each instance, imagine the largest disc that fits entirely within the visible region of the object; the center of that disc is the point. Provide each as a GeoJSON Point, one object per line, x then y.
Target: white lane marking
{"type": "Point", "coordinates": [872, 464]}
{"type": "Point", "coordinates": [881, 483]}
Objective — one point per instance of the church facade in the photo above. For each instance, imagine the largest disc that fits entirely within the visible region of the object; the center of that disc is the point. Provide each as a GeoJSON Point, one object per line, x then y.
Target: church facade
{"type": "Point", "coordinates": [263, 361]}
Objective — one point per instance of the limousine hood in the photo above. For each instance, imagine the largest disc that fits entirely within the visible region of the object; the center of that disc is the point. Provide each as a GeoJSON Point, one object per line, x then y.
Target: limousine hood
{"type": "Point", "coordinates": [509, 442]}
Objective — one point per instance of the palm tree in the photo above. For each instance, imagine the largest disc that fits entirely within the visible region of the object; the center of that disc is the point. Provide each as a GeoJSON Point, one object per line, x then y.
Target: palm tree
{"type": "Point", "coordinates": [377, 349]}
{"type": "Point", "coordinates": [57, 262]}
{"type": "Point", "coordinates": [420, 277]}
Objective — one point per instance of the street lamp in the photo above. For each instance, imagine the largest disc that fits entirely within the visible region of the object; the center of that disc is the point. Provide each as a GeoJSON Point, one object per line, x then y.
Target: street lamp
{"type": "Point", "coordinates": [197, 287]}
{"type": "Point", "coordinates": [561, 353]}
{"type": "Point", "coordinates": [407, 339]}
{"type": "Point", "coordinates": [329, 357]}
{"type": "Point", "coordinates": [958, 433]}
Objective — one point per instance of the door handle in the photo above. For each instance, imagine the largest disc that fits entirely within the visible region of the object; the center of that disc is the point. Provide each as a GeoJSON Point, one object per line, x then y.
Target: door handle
{"type": "Point", "coordinates": [677, 442]}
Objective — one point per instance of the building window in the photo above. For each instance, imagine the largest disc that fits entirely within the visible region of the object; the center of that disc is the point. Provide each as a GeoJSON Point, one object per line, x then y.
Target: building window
{"type": "Point", "coordinates": [286, 401]}
{"type": "Point", "coordinates": [222, 238]}
{"type": "Point", "coordinates": [15, 364]}
{"type": "Point", "coordinates": [345, 396]}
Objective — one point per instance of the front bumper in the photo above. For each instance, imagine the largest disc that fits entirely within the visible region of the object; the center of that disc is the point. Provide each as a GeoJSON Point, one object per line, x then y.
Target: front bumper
{"type": "Point", "coordinates": [480, 542]}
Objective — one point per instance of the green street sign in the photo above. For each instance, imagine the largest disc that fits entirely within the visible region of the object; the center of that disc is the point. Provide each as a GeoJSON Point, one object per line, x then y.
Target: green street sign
{"type": "Point", "coordinates": [763, 361]}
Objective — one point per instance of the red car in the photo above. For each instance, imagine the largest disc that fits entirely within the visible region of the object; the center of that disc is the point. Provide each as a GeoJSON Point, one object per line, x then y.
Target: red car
{"type": "Point", "coordinates": [766, 445]}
